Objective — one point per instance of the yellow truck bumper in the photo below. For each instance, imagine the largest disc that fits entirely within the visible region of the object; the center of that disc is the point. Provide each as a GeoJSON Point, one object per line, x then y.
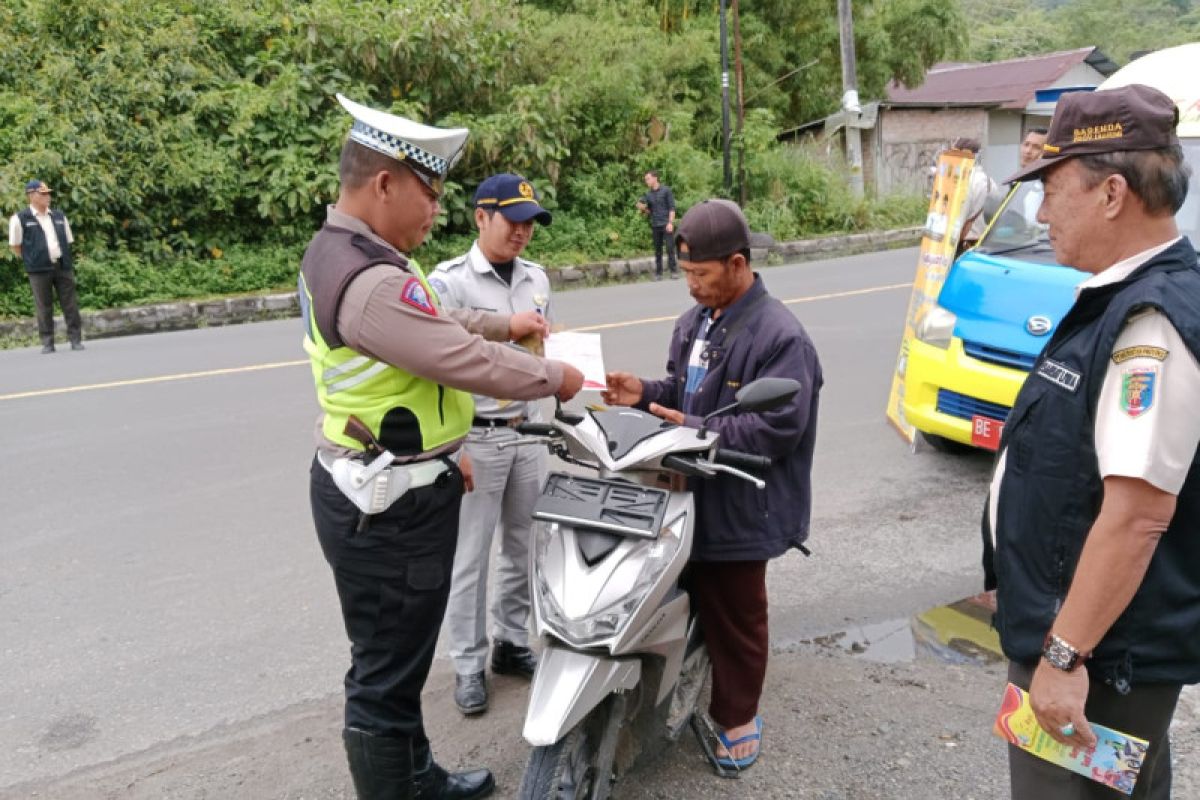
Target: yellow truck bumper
{"type": "Point", "coordinates": [969, 387]}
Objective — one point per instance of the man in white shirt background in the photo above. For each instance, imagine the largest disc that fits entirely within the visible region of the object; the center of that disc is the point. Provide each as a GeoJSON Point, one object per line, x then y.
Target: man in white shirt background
{"type": "Point", "coordinates": [42, 238]}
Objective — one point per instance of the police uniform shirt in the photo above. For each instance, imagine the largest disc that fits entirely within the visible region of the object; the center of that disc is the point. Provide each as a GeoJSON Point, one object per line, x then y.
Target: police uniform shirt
{"type": "Point", "coordinates": [16, 235]}
{"type": "Point", "coordinates": [470, 283]}
{"type": "Point", "coordinates": [1146, 421]}
{"type": "Point", "coordinates": [438, 344]}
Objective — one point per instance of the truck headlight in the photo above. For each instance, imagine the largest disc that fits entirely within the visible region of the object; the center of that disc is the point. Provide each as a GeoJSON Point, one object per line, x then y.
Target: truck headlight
{"type": "Point", "coordinates": [937, 327]}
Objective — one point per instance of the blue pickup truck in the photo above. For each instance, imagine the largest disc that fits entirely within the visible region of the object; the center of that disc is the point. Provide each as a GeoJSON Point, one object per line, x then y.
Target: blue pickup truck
{"type": "Point", "coordinates": [1003, 299]}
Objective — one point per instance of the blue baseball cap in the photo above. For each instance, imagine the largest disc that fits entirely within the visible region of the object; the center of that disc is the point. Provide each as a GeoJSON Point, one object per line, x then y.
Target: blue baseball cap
{"type": "Point", "coordinates": [512, 196]}
{"type": "Point", "coordinates": [34, 185]}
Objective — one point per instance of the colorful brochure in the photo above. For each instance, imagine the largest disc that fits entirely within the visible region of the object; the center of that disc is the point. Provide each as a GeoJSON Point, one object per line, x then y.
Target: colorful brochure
{"type": "Point", "coordinates": [1115, 760]}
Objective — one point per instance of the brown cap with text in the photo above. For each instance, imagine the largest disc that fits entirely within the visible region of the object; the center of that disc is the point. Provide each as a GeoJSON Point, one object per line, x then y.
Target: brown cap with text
{"type": "Point", "coordinates": [1133, 117]}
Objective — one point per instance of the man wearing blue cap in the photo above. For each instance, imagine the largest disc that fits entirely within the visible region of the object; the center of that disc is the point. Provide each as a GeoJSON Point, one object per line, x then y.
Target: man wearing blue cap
{"type": "Point", "coordinates": [394, 370]}
{"type": "Point", "coordinates": [42, 238]}
{"type": "Point", "coordinates": [492, 276]}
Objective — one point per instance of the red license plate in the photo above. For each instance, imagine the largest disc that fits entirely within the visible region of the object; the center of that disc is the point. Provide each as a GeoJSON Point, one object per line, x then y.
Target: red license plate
{"type": "Point", "coordinates": [985, 432]}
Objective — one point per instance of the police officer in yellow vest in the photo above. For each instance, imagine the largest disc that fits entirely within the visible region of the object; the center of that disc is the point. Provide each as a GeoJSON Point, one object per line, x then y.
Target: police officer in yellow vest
{"type": "Point", "coordinates": [394, 373]}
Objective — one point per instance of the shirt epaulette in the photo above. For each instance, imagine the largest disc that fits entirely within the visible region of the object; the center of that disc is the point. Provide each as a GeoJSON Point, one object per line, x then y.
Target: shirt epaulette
{"type": "Point", "coordinates": [532, 265]}
{"type": "Point", "coordinates": [446, 266]}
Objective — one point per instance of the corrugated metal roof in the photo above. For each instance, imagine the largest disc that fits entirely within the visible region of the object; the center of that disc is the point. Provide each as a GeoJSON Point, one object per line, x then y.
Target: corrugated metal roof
{"type": "Point", "coordinates": [1003, 84]}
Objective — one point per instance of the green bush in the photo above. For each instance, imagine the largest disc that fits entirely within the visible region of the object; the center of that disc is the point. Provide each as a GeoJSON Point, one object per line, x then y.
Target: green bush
{"type": "Point", "coordinates": [193, 143]}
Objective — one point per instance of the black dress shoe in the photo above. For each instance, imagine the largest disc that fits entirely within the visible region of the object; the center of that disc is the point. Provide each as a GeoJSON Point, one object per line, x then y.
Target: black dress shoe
{"type": "Point", "coordinates": [511, 659]}
{"type": "Point", "coordinates": [436, 783]}
{"type": "Point", "coordinates": [47, 348]}
{"type": "Point", "coordinates": [470, 693]}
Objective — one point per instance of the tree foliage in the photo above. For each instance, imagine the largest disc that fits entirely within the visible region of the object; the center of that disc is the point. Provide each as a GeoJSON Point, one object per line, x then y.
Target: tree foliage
{"type": "Point", "coordinates": [179, 132]}
{"type": "Point", "coordinates": [1004, 29]}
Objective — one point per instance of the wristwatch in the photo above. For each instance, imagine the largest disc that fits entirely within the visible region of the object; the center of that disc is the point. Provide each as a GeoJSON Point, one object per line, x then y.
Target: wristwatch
{"type": "Point", "coordinates": [1060, 654]}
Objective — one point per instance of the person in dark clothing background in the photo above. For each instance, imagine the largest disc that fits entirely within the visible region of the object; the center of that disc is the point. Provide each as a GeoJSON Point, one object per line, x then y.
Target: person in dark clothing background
{"type": "Point", "coordinates": [42, 239]}
{"type": "Point", "coordinates": [734, 334]}
{"type": "Point", "coordinates": [659, 205]}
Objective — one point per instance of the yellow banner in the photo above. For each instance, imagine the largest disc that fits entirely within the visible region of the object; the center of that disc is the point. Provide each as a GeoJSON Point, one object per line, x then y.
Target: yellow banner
{"type": "Point", "coordinates": [951, 183]}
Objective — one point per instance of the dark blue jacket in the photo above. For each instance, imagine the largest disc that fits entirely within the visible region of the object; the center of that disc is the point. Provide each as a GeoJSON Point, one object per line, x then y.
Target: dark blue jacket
{"type": "Point", "coordinates": [755, 337]}
{"type": "Point", "coordinates": [1051, 490]}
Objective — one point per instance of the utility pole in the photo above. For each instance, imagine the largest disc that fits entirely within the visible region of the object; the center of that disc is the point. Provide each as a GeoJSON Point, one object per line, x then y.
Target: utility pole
{"type": "Point", "coordinates": [740, 74]}
{"type": "Point", "coordinates": [725, 103]}
{"type": "Point", "coordinates": [850, 105]}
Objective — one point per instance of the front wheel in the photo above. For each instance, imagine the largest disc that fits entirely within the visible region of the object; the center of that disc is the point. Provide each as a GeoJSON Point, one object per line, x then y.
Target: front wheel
{"type": "Point", "coordinates": [577, 766]}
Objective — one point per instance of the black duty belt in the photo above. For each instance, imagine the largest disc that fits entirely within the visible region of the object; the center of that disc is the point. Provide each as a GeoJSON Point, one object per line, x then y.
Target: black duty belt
{"type": "Point", "coordinates": [486, 422]}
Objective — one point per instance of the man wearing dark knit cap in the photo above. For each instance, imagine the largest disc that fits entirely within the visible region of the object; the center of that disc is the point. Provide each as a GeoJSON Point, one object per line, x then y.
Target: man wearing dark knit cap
{"type": "Point", "coordinates": [735, 334]}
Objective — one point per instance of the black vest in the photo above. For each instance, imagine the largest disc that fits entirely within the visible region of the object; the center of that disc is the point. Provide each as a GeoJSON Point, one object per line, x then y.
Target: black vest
{"type": "Point", "coordinates": [1051, 490]}
{"type": "Point", "coordinates": [35, 250]}
{"type": "Point", "coordinates": [334, 258]}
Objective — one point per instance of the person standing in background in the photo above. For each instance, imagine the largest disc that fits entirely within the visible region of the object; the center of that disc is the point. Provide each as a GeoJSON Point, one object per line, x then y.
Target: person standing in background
{"type": "Point", "coordinates": [42, 238]}
{"type": "Point", "coordinates": [658, 204]}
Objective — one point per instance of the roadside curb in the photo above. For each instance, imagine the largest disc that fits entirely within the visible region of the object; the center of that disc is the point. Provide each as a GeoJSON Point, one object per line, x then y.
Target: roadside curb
{"type": "Point", "coordinates": [185, 315]}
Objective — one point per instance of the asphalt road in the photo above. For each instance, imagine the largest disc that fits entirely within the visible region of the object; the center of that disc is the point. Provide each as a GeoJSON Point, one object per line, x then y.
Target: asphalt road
{"type": "Point", "coordinates": [160, 582]}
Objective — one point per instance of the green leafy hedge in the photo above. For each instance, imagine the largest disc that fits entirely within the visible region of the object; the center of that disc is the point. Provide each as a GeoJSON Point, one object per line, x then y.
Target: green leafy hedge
{"type": "Point", "coordinates": [193, 143]}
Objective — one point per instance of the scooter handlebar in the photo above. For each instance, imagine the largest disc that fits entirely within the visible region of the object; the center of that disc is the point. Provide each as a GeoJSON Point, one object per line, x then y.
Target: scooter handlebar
{"type": "Point", "coordinates": [537, 429]}
{"type": "Point", "coordinates": [747, 461]}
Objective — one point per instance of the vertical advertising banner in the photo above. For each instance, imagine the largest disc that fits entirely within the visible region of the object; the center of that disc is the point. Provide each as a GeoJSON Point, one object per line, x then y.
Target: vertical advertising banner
{"type": "Point", "coordinates": [951, 182]}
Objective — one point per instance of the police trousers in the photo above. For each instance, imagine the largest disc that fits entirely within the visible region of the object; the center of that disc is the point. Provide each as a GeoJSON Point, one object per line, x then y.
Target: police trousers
{"type": "Point", "coordinates": [507, 485]}
{"type": "Point", "coordinates": [392, 580]}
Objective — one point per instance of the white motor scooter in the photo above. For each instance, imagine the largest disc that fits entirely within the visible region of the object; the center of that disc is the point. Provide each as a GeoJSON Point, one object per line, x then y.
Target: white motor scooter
{"type": "Point", "coordinates": [623, 664]}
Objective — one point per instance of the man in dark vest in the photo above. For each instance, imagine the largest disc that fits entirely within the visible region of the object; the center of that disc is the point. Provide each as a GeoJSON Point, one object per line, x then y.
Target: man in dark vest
{"type": "Point", "coordinates": [1092, 531]}
{"type": "Point", "coordinates": [42, 238]}
{"type": "Point", "coordinates": [394, 371]}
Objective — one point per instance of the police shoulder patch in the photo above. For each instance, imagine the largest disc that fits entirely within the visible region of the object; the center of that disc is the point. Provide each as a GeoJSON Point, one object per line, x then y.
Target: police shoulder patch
{"type": "Point", "coordinates": [439, 286]}
{"type": "Point", "coordinates": [1139, 351]}
{"type": "Point", "coordinates": [1139, 388]}
{"type": "Point", "coordinates": [414, 294]}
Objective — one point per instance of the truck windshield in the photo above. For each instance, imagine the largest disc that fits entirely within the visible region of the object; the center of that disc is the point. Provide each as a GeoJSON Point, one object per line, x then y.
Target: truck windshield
{"type": "Point", "coordinates": [1016, 225]}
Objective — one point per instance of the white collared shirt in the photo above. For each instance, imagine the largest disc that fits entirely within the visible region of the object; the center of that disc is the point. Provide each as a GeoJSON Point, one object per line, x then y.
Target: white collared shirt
{"type": "Point", "coordinates": [469, 281]}
{"type": "Point", "coordinates": [1146, 422]}
{"type": "Point", "coordinates": [16, 235]}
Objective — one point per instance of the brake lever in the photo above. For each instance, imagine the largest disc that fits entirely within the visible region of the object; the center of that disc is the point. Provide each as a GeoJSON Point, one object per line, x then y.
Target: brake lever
{"type": "Point", "coordinates": [759, 483]}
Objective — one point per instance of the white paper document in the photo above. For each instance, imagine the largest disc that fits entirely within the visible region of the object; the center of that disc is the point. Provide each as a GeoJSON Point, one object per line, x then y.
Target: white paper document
{"type": "Point", "coordinates": [582, 351]}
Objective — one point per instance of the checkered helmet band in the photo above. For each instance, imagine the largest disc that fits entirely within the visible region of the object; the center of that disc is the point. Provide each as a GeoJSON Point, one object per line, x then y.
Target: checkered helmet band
{"type": "Point", "coordinates": [398, 149]}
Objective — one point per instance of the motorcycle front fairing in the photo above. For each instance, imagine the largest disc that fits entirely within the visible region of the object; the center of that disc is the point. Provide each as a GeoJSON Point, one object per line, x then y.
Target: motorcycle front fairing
{"type": "Point", "coordinates": [597, 614]}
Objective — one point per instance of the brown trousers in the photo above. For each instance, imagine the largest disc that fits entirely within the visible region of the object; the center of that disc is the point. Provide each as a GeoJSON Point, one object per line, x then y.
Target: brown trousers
{"type": "Point", "coordinates": [731, 599]}
{"type": "Point", "coordinates": [45, 285]}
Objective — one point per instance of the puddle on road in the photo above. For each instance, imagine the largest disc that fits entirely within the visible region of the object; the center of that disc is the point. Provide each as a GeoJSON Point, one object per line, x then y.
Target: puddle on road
{"type": "Point", "coordinates": [956, 633]}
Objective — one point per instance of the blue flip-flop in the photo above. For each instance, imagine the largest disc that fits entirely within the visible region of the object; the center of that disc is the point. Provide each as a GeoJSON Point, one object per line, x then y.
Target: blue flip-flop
{"type": "Point", "coordinates": [741, 763]}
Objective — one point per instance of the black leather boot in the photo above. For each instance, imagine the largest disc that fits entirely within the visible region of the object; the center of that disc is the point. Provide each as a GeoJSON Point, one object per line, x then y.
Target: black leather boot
{"type": "Point", "coordinates": [435, 783]}
{"type": "Point", "coordinates": [511, 659]}
{"type": "Point", "coordinates": [382, 767]}
{"type": "Point", "coordinates": [470, 693]}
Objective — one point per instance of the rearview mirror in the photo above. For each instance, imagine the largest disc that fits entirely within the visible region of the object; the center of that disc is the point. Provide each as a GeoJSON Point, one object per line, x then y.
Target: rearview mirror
{"type": "Point", "coordinates": [763, 394]}
{"type": "Point", "coordinates": [766, 394]}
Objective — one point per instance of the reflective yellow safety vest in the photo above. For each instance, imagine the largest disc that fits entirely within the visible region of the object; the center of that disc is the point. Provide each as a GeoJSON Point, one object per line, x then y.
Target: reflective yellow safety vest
{"type": "Point", "coordinates": [407, 414]}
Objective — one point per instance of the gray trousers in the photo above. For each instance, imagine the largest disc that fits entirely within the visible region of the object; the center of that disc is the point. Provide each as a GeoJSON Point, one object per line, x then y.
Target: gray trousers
{"type": "Point", "coordinates": [44, 286]}
{"type": "Point", "coordinates": [1145, 712]}
{"type": "Point", "coordinates": [507, 484]}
